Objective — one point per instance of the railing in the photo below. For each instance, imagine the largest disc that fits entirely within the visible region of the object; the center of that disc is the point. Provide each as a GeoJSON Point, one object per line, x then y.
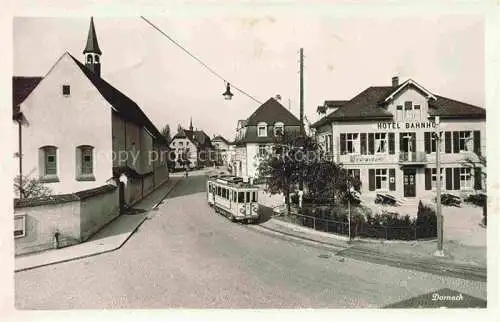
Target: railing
{"type": "Point", "coordinates": [412, 157]}
{"type": "Point", "coordinates": [363, 230]}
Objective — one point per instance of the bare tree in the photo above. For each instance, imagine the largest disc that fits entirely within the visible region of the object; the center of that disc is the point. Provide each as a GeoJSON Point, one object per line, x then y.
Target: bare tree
{"type": "Point", "coordinates": [30, 188]}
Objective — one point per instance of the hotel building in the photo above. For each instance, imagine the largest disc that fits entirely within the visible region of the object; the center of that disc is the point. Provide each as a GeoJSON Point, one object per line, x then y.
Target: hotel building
{"type": "Point", "coordinates": [386, 136]}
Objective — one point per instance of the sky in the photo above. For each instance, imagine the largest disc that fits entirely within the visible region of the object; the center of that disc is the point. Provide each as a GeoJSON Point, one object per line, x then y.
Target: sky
{"type": "Point", "coordinates": [259, 53]}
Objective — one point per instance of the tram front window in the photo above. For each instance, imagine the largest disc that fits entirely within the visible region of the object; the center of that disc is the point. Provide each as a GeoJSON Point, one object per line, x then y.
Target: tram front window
{"type": "Point", "coordinates": [248, 196]}
{"type": "Point", "coordinates": [241, 197]}
{"type": "Point", "coordinates": [254, 196]}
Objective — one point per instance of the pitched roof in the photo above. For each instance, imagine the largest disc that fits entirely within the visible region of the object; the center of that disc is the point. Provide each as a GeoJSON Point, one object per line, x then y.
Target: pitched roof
{"type": "Point", "coordinates": [370, 104]}
{"type": "Point", "coordinates": [197, 137]}
{"type": "Point", "coordinates": [21, 88]}
{"type": "Point", "coordinates": [92, 45]}
{"type": "Point", "coordinates": [270, 112]}
{"type": "Point", "coordinates": [220, 138]}
{"type": "Point", "coordinates": [124, 106]}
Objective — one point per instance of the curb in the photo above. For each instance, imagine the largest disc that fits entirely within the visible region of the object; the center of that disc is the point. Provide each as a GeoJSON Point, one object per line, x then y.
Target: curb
{"type": "Point", "coordinates": [107, 250]}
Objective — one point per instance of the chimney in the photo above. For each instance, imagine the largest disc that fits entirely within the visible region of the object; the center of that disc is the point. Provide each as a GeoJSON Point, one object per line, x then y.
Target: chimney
{"type": "Point", "coordinates": [395, 81]}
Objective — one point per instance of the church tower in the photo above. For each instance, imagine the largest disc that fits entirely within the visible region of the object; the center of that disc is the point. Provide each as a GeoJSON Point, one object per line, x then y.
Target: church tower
{"type": "Point", "coordinates": [191, 124]}
{"type": "Point", "coordinates": [92, 52]}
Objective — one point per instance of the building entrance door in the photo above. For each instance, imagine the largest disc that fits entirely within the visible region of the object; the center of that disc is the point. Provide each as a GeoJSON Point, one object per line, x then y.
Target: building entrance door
{"type": "Point", "coordinates": [409, 182]}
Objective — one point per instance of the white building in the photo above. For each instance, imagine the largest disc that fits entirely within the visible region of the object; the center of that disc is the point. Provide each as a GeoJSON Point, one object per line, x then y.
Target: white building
{"type": "Point", "coordinates": [385, 136]}
{"type": "Point", "coordinates": [194, 146]}
{"type": "Point", "coordinates": [222, 150]}
{"type": "Point", "coordinates": [75, 131]}
{"type": "Point", "coordinates": [258, 133]}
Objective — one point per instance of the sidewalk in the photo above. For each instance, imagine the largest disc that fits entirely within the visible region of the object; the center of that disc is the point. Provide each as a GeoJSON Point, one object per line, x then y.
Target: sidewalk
{"type": "Point", "coordinates": [461, 261]}
{"type": "Point", "coordinates": [108, 239]}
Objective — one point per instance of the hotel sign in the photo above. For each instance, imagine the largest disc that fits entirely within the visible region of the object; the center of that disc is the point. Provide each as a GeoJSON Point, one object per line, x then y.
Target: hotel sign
{"type": "Point", "coordinates": [405, 125]}
{"type": "Point", "coordinates": [365, 158]}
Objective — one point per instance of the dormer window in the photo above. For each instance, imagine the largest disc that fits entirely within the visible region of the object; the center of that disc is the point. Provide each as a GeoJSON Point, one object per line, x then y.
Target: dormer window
{"type": "Point", "coordinates": [66, 90]}
{"type": "Point", "coordinates": [278, 128]}
{"type": "Point", "coordinates": [262, 129]}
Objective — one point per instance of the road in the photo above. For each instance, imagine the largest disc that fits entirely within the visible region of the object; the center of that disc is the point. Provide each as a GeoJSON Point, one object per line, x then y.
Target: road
{"type": "Point", "coordinates": [188, 256]}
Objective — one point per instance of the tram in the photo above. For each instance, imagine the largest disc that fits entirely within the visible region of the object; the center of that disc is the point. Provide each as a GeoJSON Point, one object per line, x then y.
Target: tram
{"type": "Point", "coordinates": [233, 198]}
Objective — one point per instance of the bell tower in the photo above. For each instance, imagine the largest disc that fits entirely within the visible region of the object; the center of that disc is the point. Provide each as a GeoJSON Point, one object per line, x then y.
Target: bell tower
{"type": "Point", "coordinates": [92, 53]}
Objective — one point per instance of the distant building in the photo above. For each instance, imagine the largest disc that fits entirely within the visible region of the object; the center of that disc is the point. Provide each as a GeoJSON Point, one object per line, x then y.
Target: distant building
{"type": "Point", "coordinates": [385, 136]}
{"type": "Point", "coordinates": [75, 132]}
{"type": "Point", "coordinates": [221, 148]}
{"type": "Point", "coordinates": [256, 135]}
{"type": "Point", "coordinates": [193, 146]}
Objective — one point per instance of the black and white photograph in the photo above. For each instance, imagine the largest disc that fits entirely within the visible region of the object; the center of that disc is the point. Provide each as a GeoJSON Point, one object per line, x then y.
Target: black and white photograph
{"type": "Point", "coordinates": [251, 159]}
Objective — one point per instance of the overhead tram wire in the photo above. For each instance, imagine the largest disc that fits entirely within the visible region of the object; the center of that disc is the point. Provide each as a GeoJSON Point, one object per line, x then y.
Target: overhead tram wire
{"type": "Point", "coordinates": [199, 60]}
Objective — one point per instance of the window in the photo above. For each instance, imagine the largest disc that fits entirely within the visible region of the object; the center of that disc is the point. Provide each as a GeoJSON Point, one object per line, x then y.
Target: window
{"type": "Point", "coordinates": [19, 226]}
{"type": "Point", "coordinates": [96, 59]}
{"type": "Point", "coordinates": [278, 128]}
{"type": "Point", "coordinates": [48, 164]}
{"type": "Point", "coordinates": [254, 196]}
{"type": "Point", "coordinates": [262, 129]}
{"type": "Point", "coordinates": [235, 196]}
{"type": "Point", "coordinates": [248, 196]}
{"type": "Point", "coordinates": [408, 110]}
{"type": "Point", "coordinates": [85, 163]}
{"type": "Point", "coordinates": [355, 173]}
{"type": "Point", "coordinates": [262, 150]}
{"type": "Point", "coordinates": [465, 178]}
{"type": "Point", "coordinates": [241, 197]}
{"type": "Point", "coordinates": [181, 144]}
{"type": "Point", "coordinates": [416, 111]}
{"type": "Point", "coordinates": [399, 112]}
{"type": "Point", "coordinates": [351, 143]}
{"type": "Point", "coordinates": [380, 143]}
{"type": "Point", "coordinates": [381, 179]}
{"type": "Point", "coordinates": [465, 140]}
{"type": "Point", "coordinates": [66, 90]}
{"type": "Point", "coordinates": [434, 178]}
{"type": "Point", "coordinates": [89, 59]}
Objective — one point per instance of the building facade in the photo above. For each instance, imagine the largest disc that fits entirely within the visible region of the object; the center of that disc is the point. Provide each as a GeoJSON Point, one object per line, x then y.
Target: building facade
{"type": "Point", "coordinates": [256, 135]}
{"type": "Point", "coordinates": [192, 148]}
{"type": "Point", "coordinates": [386, 136]}
{"type": "Point", "coordinates": [222, 150]}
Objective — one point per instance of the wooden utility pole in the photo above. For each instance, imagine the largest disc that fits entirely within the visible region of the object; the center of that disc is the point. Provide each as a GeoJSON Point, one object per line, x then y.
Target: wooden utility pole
{"type": "Point", "coordinates": [301, 182]}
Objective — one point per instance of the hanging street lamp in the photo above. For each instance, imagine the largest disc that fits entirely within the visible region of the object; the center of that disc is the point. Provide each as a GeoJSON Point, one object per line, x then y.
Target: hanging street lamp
{"type": "Point", "coordinates": [227, 94]}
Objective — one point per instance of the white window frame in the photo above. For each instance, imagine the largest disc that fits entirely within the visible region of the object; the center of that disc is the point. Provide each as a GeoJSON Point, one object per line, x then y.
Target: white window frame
{"type": "Point", "coordinates": [279, 125]}
{"type": "Point", "coordinates": [466, 179]}
{"type": "Point", "coordinates": [399, 112]}
{"type": "Point", "coordinates": [23, 218]}
{"type": "Point", "coordinates": [383, 174]}
{"type": "Point", "coordinates": [464, 137]}
{"type": "Point", "coordinates": [262, 126]}
{"type": "Point", "coordinates": [353, 140]}
{"type": "Point", "coordinates": [381, 138]}
{"type": "Point", "coordinates": [263, 152]}
{"type": "Point", "coordinates": [434, 178]}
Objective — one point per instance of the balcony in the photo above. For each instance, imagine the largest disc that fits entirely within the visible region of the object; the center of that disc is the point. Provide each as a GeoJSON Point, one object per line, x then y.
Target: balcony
{"type": "Point", "coordinates": [412, 158]}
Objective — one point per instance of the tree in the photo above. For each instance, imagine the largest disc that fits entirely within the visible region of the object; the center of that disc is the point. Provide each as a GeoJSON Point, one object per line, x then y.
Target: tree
{"type": "Point", "coordinates": [478, 162]}
{"type": "Point", "coordinates": [30, 188]}
{"type": "Point", "coordinates": [166, 133]}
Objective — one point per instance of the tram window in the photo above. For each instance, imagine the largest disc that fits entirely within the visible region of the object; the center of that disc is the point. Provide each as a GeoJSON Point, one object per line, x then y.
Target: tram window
{"type": "Point", "coordinates": [223, 193]}
{"type": "Point", "coordinates": [235, 196]}
{"type": "Point", "coordinates": [241, 196]}
{"type": "Point", "coordinates": [248, 196]}
{"type": "Point", "coordinates": [254, 196]}
{"type": "Point", "coordinates": [226, 193]}
{"type": "Point", "coordinates": [218, 191]}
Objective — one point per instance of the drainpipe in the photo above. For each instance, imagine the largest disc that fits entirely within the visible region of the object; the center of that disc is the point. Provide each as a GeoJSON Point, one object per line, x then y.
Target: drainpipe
{"type": "Point", "coordinates": [20, 151]}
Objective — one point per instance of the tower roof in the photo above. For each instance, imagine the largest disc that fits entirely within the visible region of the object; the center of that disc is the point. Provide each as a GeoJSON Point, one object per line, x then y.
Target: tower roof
{"type": "Point", "coordinates": [92, 45]}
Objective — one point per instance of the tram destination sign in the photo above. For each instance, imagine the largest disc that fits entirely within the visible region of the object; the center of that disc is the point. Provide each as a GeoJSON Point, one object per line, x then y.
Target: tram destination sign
{"type": "Point", "coordinates": [405, 125]}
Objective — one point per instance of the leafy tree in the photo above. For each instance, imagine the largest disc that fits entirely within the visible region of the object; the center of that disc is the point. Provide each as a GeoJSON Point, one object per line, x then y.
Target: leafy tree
{"type": "Point", "coordinates": [30, 187]}
{"type": "Point", "coordinates": [474, 162]}
{"type": "Point", "coordinates": [166, 133]}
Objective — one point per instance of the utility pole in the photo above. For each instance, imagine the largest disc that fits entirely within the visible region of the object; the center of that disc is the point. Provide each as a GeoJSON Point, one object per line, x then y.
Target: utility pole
{"type": "Point", "coordinates": [439, 215]}
{"type": "Point", "coordinates": [301, 182]}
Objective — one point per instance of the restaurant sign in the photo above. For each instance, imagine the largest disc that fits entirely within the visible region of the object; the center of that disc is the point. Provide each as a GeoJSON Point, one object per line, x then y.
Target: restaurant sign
{"type": "Point", "coordinates": [405, 125]}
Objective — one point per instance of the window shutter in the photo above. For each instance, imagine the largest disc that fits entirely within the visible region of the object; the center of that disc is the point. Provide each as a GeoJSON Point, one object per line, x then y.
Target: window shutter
{"type": "Point", "coordinates": [449, 179]}
{"type": "Point", "coordinates": [427, 142]}
{"type": "Point", "coordinates": [371, 143]}
{"type": "Point", "coordinates": [477, 179]}
{"type": "Point", "coordinates": [413, 142]}
{"type": "Point", "coordinates": [428, 178]}
{"type": "Point", "coordinates": [456, 142]}
{"type": "Point", "coordinates": [392, 179]}
{"type": "Point", "coordinates": [392, 147]}
{"type": "Point", "coordinates": [477, 143]}
{"type": "Point", "coordinates": [401, 143]}
{"type": "Point", "coordinates": [456, 178]}
{"type": "Point", "coordinates": [371, 179]}
{"type": "Point", "coordinates": [342, 143]}
{"type": "Point", "coordinates": [363, 143]}
{"type": "Point", "coordinates": [447, 142]}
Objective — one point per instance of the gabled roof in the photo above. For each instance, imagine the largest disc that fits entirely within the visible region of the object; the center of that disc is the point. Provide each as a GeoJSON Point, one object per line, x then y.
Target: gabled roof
{"type": "Point", "coordinates": [92, 45]}
{"type": "Point", "coordinates": [21, 88]}
{"type": "Point", "coordinates": [220, 138]}
{"type": "Point", "coordinates": [270, 112]}
{"type": "Point", "coordinates": [370, 104]}
{"type": "Point", "coordinates": [197, 137]}
{"type": "Point", "coordinates": [123, 105]}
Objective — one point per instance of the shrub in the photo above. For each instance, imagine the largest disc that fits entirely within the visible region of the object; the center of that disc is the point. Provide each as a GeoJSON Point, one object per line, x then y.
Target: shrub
{"type": "Point", "coordinates": [426, 221]}
{"type": "Point", "coordinates": [478, 199]}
